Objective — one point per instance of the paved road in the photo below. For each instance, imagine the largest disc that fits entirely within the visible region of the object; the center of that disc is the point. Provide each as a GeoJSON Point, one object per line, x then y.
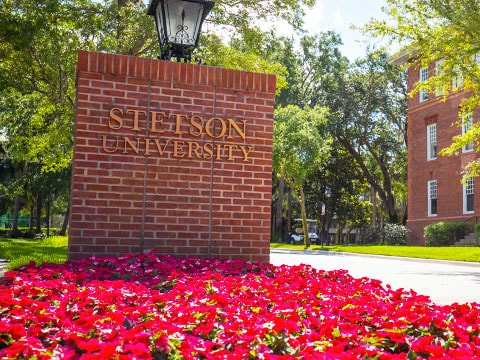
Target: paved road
{"type": "Point", "coordinates": [445, 282]}
{"type": "Point", "coordinates": [3, 266]}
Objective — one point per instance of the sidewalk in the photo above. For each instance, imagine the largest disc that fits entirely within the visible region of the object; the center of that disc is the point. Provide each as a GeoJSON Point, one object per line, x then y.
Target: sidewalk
{"type": "Point", "coordinates": [445, 282]}
{"type": "Point", "coordinates": [3, 267]}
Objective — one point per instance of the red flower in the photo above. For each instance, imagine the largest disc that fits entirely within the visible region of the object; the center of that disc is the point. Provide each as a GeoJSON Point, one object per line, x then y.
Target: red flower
{"type": "Point", "coordinates": [153, 306]}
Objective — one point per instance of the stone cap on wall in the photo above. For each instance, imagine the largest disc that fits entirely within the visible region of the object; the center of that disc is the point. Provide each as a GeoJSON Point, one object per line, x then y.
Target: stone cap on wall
{"type": "Point", "coordinates": [161, 70]}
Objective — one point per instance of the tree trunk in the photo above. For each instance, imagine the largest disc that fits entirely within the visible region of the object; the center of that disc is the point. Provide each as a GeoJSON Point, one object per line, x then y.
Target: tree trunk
{"type": "Point", "coordinates": [63, 231]}
{"type": "Point", "coordinates": [289, 212]}
{"type": "Point", "coordinates": [31, 217]}
{"type": "Point", "coordinates": [306, 240]}
{"type": "Point", "coordinates": [279, 212]}
{"type": "Point", "coordinates": [373, 195]}
{"type": "Point", "coordinates": [16, 212]}
{"type": "Point", "coordinates": [38, 215]}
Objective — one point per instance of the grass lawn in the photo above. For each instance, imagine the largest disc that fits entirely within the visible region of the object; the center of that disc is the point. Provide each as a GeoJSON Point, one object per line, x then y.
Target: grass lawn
{"type": "Point", "coordinates": [22, 251]}
{"type": "Point", "coordinates": [54, 249]}
{"type": "Point", "coordinates": [457, 253]}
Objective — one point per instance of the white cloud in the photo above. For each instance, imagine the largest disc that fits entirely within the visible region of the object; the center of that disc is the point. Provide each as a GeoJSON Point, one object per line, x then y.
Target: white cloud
{"type": "Point", "coordinates": [338, 18]}
{"type": "Point", "coordinates": [315, 18]}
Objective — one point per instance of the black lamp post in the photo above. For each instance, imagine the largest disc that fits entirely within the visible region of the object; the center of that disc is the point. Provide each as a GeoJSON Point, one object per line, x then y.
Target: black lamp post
{"type": "Point", "coordinates": [179, 23]}
{"type": "Point", "coordinates": [325, 231]}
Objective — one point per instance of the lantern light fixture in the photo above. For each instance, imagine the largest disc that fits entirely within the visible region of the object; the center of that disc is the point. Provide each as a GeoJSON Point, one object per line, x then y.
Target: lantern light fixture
{"type": "Point", "coordinates": [179, 23]}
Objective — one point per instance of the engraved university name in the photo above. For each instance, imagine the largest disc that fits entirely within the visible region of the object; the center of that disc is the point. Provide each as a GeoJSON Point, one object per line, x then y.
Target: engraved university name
{"type": "Point", "coordinates": [176, 135]}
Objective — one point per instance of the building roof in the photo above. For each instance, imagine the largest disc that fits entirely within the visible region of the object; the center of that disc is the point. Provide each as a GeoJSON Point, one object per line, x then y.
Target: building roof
{"type": "Point", "coordinates": [402, 57]}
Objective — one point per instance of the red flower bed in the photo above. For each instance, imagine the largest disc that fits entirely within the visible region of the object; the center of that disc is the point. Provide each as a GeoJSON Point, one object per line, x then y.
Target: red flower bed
{"type": "Point", "coordinates": [158, 307]}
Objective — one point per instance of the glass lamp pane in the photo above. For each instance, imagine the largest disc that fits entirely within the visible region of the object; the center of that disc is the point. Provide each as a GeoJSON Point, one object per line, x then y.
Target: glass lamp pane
{"type": "Point", "coordinates": [160, 25]}
{"type": "Point", "coordinates": [183, 21]}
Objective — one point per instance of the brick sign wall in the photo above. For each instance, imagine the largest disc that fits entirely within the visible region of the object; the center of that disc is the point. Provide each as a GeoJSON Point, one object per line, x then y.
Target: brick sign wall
{"type": "Point", "coordinates": [170, 156]}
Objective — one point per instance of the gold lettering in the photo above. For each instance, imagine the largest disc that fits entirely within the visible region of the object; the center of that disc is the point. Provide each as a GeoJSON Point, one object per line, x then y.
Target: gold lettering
{"type": "Point", "coordinates": [208, 151]}
{"type": "Point", "coordinates": [104, 144]}
{"type": "Point", "coordinates": [246, 150]}
{"type": "Point", "coordinates": [177, 148]}
{"type": "Point", "coordinates": [233, 124]}
{"type": "Point", "coordinates": [159, 147]}
{"type": "Point", "coordinates": [181, 125]}
{"type": "Point", "coordinates": [194, 147]}
{"type": "Point", "coordinates": [230, 150]}
{"type": "Point", "coordinates": [178, 122]}
{"type": "Point", "coordinates": [210, 126]}
{"type": "Point", "coordinates": [219, 148]}
{"type": "Point", "coordinates": [147, 147]}
{"type": "Point", "coordinates": [135, 117]}
{"type": "Point", "coordinates": [196, 125]}
{"type": "Point", "coordinates": [135, 148]}
{"type": "Point", "coordinates": [156, 121]}
{"type": "Point", "coordinates": [117, 118]}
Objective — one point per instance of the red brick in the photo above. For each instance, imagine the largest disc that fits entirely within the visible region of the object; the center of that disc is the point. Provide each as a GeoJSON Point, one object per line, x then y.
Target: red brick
{"type": "Point", "coordinates": [177, 215]}
{"type": "Point", "coordinates": [447, 170]}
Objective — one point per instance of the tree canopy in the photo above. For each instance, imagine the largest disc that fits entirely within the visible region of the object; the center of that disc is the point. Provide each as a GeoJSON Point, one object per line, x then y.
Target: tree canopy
{"type": "Point", "coordinates": [431, 30]}
{"type": "Point", "coordinates": [299, 147]}
{"type": "Point", "coordinates": [39, 40]}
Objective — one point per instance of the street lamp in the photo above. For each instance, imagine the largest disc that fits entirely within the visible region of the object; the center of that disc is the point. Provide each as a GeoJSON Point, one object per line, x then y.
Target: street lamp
{"type": "Point", "coordinates": [325, 231]}
{"type": "Point", "coordinates": [179, 23]}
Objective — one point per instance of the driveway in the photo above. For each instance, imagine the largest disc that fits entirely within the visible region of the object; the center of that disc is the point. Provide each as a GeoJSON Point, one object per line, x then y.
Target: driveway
{"type": "Point", "coordinates": [445, 282]}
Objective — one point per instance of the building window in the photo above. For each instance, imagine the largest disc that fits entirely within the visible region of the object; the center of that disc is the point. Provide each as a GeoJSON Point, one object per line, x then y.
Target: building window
{"type": "Point", "coordinates": [457, 81]}
{"type": "Point", "coordinates": [432, 198]}
{"type": "Point", "coordinates": [467, 122]}
{"type": "Point", "coordinates": [468, 195]}
{"type": "Point", "coordinates": [423, 77]}
{"type": "Point", "coordinates": [439, 70]}
{"type": "Point", "coordinates": [432, 142]}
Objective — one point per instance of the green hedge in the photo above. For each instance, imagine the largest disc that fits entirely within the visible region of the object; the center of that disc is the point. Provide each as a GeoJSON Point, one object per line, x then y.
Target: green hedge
{"type": "Point", "coordinates": [26, 233]}
{"type": "Point", "coordinates": [445, 233]}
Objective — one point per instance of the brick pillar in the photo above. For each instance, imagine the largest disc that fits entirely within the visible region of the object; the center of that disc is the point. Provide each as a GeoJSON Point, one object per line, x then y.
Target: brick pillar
{"type": "Point", "coordinates": [170, 156]}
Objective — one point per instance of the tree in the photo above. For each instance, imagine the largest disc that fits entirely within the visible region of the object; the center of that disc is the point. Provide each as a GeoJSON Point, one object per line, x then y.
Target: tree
{"type": "Point", "coordinates": [430, 30]}
{"type": "Point", "coordinates": [215, 53]}
{"type": "Point", "coordinates": [243, 18]}
{"type": "Point", "coordinates": [39, 41]}
{"type": "Point", "coordinates": [33, 141]}
{"type": "Point", "coordinates": [333, 192]}
{"type": "Point", "coordinates": [368, 118]}
{"type": "Point", "coordinates": [298, 149]}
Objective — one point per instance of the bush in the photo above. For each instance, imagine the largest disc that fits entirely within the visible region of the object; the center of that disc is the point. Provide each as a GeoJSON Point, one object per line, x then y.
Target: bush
{"type": "Point", "coordinates": [391, 234]}
{"type": "Point", "coordinates": [444, 233]}
{"type": "Point", "coordinates": [394, 234]}
{"type": "Point", "coordinates": [26, 233]}
{"type": "Point", "coordinates": [372, 235]}
{"type": "Point", "coordinates": [477, 230]}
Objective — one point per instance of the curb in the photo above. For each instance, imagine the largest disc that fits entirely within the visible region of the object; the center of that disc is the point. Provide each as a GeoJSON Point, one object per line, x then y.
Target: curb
{"type": "Point", "coordinates": [3, 267]}
{"type": "Point", "coordinates": [400, 258]}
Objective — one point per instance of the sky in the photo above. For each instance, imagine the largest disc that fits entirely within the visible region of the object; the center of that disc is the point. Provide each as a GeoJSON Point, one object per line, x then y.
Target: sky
{"type": "Point", "coordinates": [339, 15]}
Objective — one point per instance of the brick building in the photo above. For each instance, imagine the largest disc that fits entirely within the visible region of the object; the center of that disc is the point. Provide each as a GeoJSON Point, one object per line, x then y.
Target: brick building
{"type": "Point", "coordinates": [435, 190]}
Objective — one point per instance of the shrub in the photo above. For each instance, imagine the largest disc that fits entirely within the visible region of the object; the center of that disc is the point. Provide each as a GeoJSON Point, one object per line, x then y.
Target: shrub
{"type": "Point", "coordinates": [444, 233]}
{"type": "Point", "coordinates": [372, 235]}
{"type": "Point", "coordinates": [394, 234]}
{"type": "Point", "coordinates": [477, 230]}
{"type": "Point", "coordinates": [391, 234]}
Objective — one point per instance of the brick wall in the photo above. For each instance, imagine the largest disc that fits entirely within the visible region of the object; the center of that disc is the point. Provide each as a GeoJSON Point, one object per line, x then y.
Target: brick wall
{"type": "Point", "coordinates": [170, 156]}
{"type": "Point", "coordinates": [447, 170]}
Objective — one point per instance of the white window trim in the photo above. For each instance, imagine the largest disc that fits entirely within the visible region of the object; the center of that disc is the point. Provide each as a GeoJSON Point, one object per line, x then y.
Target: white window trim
{"type": "Point", "coordinates": [457, 81]}
{"type": "Point", "coordinates": [423, 76]}
{"type": "Point", "coordinates": [467, 125]}
{"type": "Point", "coordinates": [439, 70]}
{"type": "Point", "coordinates": [468, 187]}
{"type": "Point", "coordinates": [429, 196]}
{"type": "Point", "coordinates": [432, 135]}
